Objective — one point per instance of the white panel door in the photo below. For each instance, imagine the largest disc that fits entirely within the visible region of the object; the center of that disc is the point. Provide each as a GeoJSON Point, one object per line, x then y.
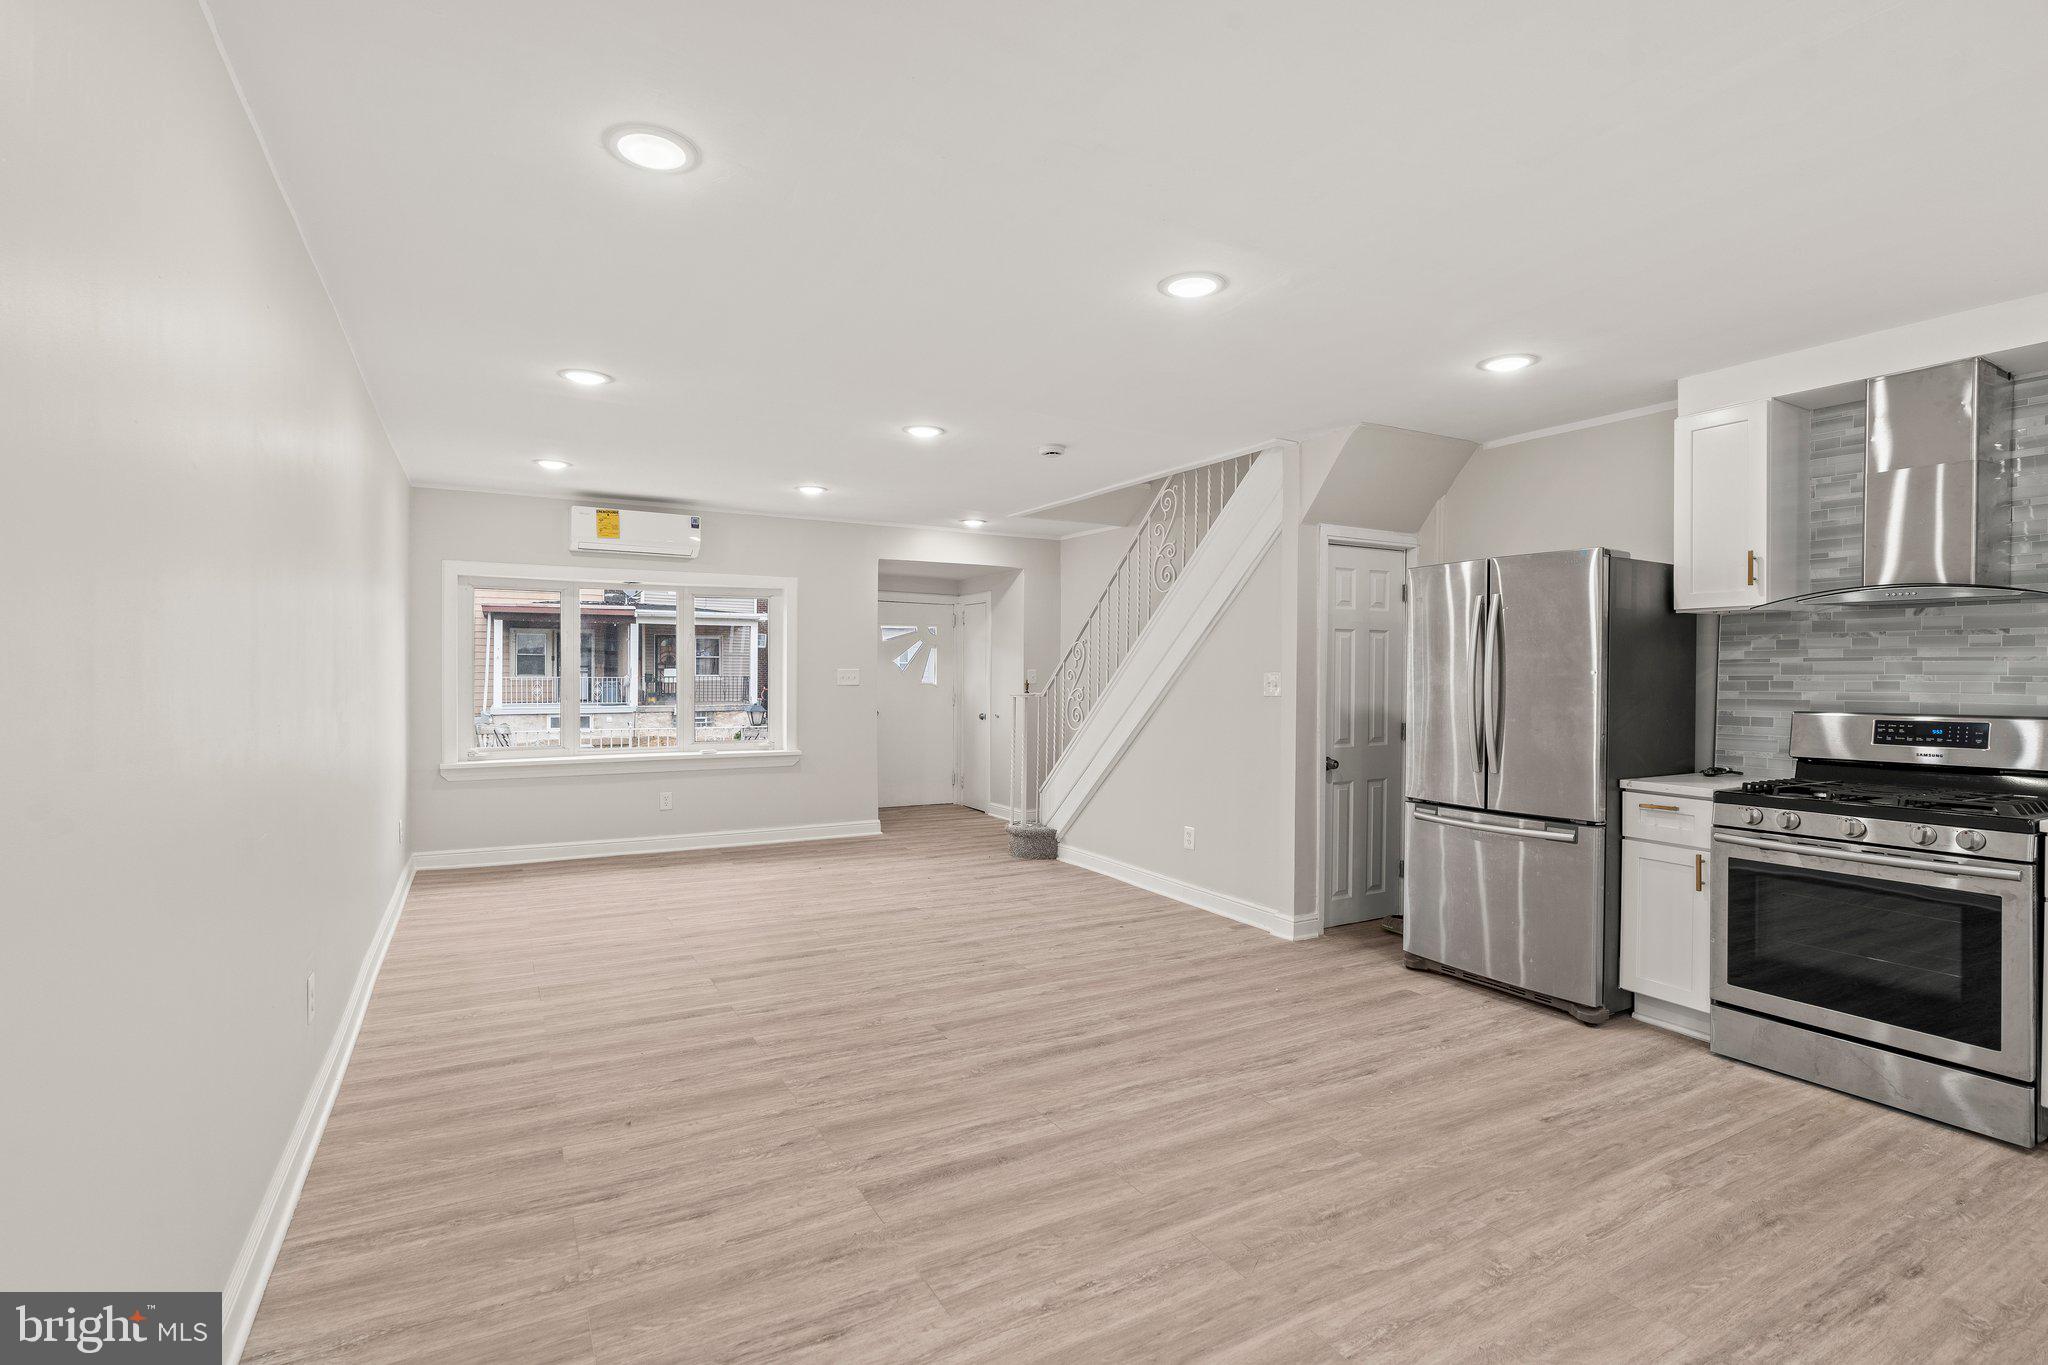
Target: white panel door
{"type": "Point", "coordinates": [1365, 700]}
{"type": "Point", "coordinates": [919, 689]}
{"type": "Point", "coordinates": [977, 723]}
{"type": "Point", "coordinates": [1666, 912]}
{"type": "Point", "coordinates": [1721, 482]}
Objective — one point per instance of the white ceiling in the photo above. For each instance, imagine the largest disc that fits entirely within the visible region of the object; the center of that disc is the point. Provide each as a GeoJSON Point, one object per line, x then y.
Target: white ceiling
{"type": "Point", "coordinates": [957, 213]}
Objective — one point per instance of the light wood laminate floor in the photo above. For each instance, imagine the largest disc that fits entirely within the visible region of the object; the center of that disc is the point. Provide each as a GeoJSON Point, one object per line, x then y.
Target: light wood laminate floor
{"type": "Point", "coordinates": [904, 1099]}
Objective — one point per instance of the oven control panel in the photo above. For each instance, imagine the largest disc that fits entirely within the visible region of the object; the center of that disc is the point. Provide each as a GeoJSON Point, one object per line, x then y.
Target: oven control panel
{"type": "Point", "coordinates": [1942, 734]}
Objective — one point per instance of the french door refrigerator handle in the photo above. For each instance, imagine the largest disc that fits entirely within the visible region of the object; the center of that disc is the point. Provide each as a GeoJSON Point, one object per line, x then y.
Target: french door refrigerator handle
{"type": "Point", "coordinates": [1556, 836]}
{"type": "Point", "coordinates": [1857, 855]}
{"type": "Point", "coordinates": [1479, 605]}
{"type": "Point", "coordinates": [1497, 672]}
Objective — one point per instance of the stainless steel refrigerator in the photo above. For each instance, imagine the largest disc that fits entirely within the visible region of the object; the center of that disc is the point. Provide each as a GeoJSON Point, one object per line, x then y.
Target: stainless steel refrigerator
{"type": "Point", "coordinates": [1536, 683]}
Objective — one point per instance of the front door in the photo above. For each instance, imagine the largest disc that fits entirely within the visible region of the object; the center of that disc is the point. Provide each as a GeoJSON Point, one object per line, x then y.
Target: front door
{"type": "Point", "coordinates": [1364, 669]}
{"type": "Point", "coordinates": [919, 685]}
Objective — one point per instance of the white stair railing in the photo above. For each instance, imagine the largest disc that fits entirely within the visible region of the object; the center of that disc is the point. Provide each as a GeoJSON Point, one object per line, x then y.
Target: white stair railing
{"type": "Point", "coordinates": [1043, 722]}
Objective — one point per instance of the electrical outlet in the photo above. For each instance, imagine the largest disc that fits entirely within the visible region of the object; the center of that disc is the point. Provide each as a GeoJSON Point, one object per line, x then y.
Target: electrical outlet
{"type": "Point", "coordinates": [1187, 836]}
{"type": "Point", "coordinates": [401, 831]}
{"type": "Point", "coordinates": [309, 997]}
{"type": "Point", "coordinates": [849, 677]}
{"type": "Point", "coordinates": [1030, 678]}
{"type": "Point", "coordinates": [1272, 684]}
{"type": "Point", "coordinates": [668, 800]}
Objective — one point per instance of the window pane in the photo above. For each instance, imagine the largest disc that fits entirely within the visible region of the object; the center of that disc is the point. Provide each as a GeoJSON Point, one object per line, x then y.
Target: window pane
{"type": "Point", "coordinates": [627, 676]}
{"type": "Point", "coordinates": [732, 671]}
{"type": "Point", "coordinates": [515, 695]}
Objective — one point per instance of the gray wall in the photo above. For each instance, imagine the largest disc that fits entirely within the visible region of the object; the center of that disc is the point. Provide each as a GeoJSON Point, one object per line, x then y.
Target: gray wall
{"type": "Point", "coordinates": [836, 565]}
{"type": "Point", "coordinates": [1208, 757]}
{"type": "Point", "coordinates": [1086, 562]}
{"type": "Point", "coordinates": [1606, 485]}
{"type": "Point", "coordinates": [204, 537]}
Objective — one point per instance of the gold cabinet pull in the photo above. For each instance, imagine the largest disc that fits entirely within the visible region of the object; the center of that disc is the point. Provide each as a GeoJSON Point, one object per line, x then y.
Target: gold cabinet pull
{"type": "Point", "coordinates": [1699, 871]}
{"type": "Point", "coordinates": [1645, 805]}
{"type": "Point", "coordinates": [1752, 568]}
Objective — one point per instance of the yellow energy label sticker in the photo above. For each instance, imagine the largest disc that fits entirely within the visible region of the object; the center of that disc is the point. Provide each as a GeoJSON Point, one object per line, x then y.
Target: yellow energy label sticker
{"type": "Point", "coordinates": [607, 523]}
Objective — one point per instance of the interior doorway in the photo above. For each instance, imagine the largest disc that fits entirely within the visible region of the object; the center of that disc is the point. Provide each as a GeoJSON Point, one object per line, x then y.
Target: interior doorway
{"type": "Point", "coordinates": [933, 691]}
{"type": "Point", "coordinates": [1363, 687]}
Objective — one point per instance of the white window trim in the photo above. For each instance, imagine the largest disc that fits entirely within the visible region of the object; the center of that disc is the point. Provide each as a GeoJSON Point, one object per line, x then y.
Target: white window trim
{"type": "Point", "coordinates": [457, 648]}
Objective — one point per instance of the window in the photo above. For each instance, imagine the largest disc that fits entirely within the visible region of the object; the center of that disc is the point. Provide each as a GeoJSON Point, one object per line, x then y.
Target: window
{"type": "Point", "coordinates": [514, 698]}
{"type": "Point", "coordinates": [530, 653]}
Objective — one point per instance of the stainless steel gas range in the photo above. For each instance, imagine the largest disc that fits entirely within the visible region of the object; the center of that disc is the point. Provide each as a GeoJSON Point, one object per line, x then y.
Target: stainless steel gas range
{"type": "Point", "coordinates": [1877, 916]}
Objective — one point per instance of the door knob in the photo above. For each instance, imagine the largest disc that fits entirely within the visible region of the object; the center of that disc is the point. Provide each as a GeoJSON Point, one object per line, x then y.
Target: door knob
{"type": "Point", "coordinates": [984, 715]}
{"type": "Point", "coordinates": [1329, 765]}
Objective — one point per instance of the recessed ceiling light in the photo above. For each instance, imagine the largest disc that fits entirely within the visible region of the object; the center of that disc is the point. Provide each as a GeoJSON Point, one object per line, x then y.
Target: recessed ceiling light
{"type": "Point", "coordinates": [1199, 284]}
{"type": "Point", "coordinates": [589, 379]}
{"type": "Point", "coordinates": [553, 466]}
{"type": "Point", "coordinates": [1508, 364]}
{"type": "Point", "coordinates": [925, 433]}
{"type": "Point", "coordinates": [972, 523]}
{"type": "Point", "coordinates": [651, 148]}
{"type": "Point", "coordinates": [810, 490]}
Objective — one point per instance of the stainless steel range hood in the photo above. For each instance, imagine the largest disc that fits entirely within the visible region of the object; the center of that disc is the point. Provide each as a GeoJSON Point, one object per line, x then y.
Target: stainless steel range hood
{"type": "Point", "coordinates": [1937, 489]}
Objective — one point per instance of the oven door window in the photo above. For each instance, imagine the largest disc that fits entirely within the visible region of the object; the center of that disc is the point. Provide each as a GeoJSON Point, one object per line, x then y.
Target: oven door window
{"type": "Point", "coordinates": [1913, 957]}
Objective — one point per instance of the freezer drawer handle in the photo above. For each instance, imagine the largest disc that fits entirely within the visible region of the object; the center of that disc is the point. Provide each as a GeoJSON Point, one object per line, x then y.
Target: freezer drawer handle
{"type": "Point", "coordinates": [1556, 836]}
{"type": "Point", "coordinates": [1846, 855]}
{"type": "Point", "coordinates": [1645, 805]}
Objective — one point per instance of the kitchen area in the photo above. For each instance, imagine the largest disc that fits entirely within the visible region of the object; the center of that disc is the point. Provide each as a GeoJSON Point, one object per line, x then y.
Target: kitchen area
{"type": "Point", "coordinates": [1785, 795]}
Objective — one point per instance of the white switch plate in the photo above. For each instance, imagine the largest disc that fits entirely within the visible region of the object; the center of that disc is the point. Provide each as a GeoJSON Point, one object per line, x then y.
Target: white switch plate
{"type": "Point", "coordinates": [1187, 836]}
{"type": "Point", "coordinates": [309, 997]}
{"type": "Point", "coordinates": [1272, 684]}
{"type": "Point", "coordinates": [1030, 678]}
{"type": "Point", "coordinates": [849, 677]}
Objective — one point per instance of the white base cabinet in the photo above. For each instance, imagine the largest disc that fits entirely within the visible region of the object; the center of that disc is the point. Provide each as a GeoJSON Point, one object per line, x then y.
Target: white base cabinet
{"type": "Point", "coordinates": [1665, 916]}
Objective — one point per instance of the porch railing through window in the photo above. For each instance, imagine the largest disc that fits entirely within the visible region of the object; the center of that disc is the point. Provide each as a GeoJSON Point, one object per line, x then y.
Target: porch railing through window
{"type": "Point", "coordinates": [1180, 515]}
{"type": "Point", "coordinates": [723, 690]}
{"type": "Point", "coordinates": [531, 691]}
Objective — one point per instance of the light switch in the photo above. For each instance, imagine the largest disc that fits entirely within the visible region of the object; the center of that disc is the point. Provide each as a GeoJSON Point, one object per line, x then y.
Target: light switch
{"type": "Point", "coordinates": [1272, 684]}
{"type": "Point", "coordinates": [849, 677]}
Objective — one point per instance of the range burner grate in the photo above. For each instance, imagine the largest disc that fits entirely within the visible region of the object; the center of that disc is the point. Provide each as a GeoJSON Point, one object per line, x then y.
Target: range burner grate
{"type": "Point", "coordinates": [1962, 803]}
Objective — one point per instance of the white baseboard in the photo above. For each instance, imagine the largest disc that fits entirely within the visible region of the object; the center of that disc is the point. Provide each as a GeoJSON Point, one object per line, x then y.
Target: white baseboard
{"type": "Point", "coordinates": [654, 843]}
{"type": "Point", "coordinates": [266, 1235]}
{"type": "Point", "coordinates": [1690, 1023]}
{"type": "Point", "coordinates": [999, 812]}
{"type": "Point", "coordinates": [1275, 922]}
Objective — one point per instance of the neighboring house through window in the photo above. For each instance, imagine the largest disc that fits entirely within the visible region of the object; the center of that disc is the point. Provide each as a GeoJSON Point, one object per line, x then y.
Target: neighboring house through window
{"type": "Point", "coordinates": [627, 696]}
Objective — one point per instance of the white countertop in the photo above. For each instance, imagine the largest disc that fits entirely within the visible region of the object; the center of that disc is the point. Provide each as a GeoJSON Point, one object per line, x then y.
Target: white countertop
{"type": "Point", "coordinates": [1684, 784]}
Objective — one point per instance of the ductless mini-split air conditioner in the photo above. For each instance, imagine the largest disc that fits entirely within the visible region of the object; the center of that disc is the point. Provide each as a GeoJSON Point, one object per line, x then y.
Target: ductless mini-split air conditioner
{"type": "Point", "coordinates": [623, 531]}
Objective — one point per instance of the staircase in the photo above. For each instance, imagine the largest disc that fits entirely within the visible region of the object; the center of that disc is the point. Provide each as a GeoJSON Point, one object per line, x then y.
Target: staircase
{"type": "Point", "coordinates": [1204, 531]}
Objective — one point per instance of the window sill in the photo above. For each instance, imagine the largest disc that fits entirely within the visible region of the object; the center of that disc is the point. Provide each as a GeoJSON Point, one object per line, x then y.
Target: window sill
{"type": "Point", "coordinates": [565, 765]}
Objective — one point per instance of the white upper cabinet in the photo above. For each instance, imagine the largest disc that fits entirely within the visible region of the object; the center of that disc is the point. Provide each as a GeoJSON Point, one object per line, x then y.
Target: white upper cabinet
{"type": "Point", "coordinates": [1736, 481]}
